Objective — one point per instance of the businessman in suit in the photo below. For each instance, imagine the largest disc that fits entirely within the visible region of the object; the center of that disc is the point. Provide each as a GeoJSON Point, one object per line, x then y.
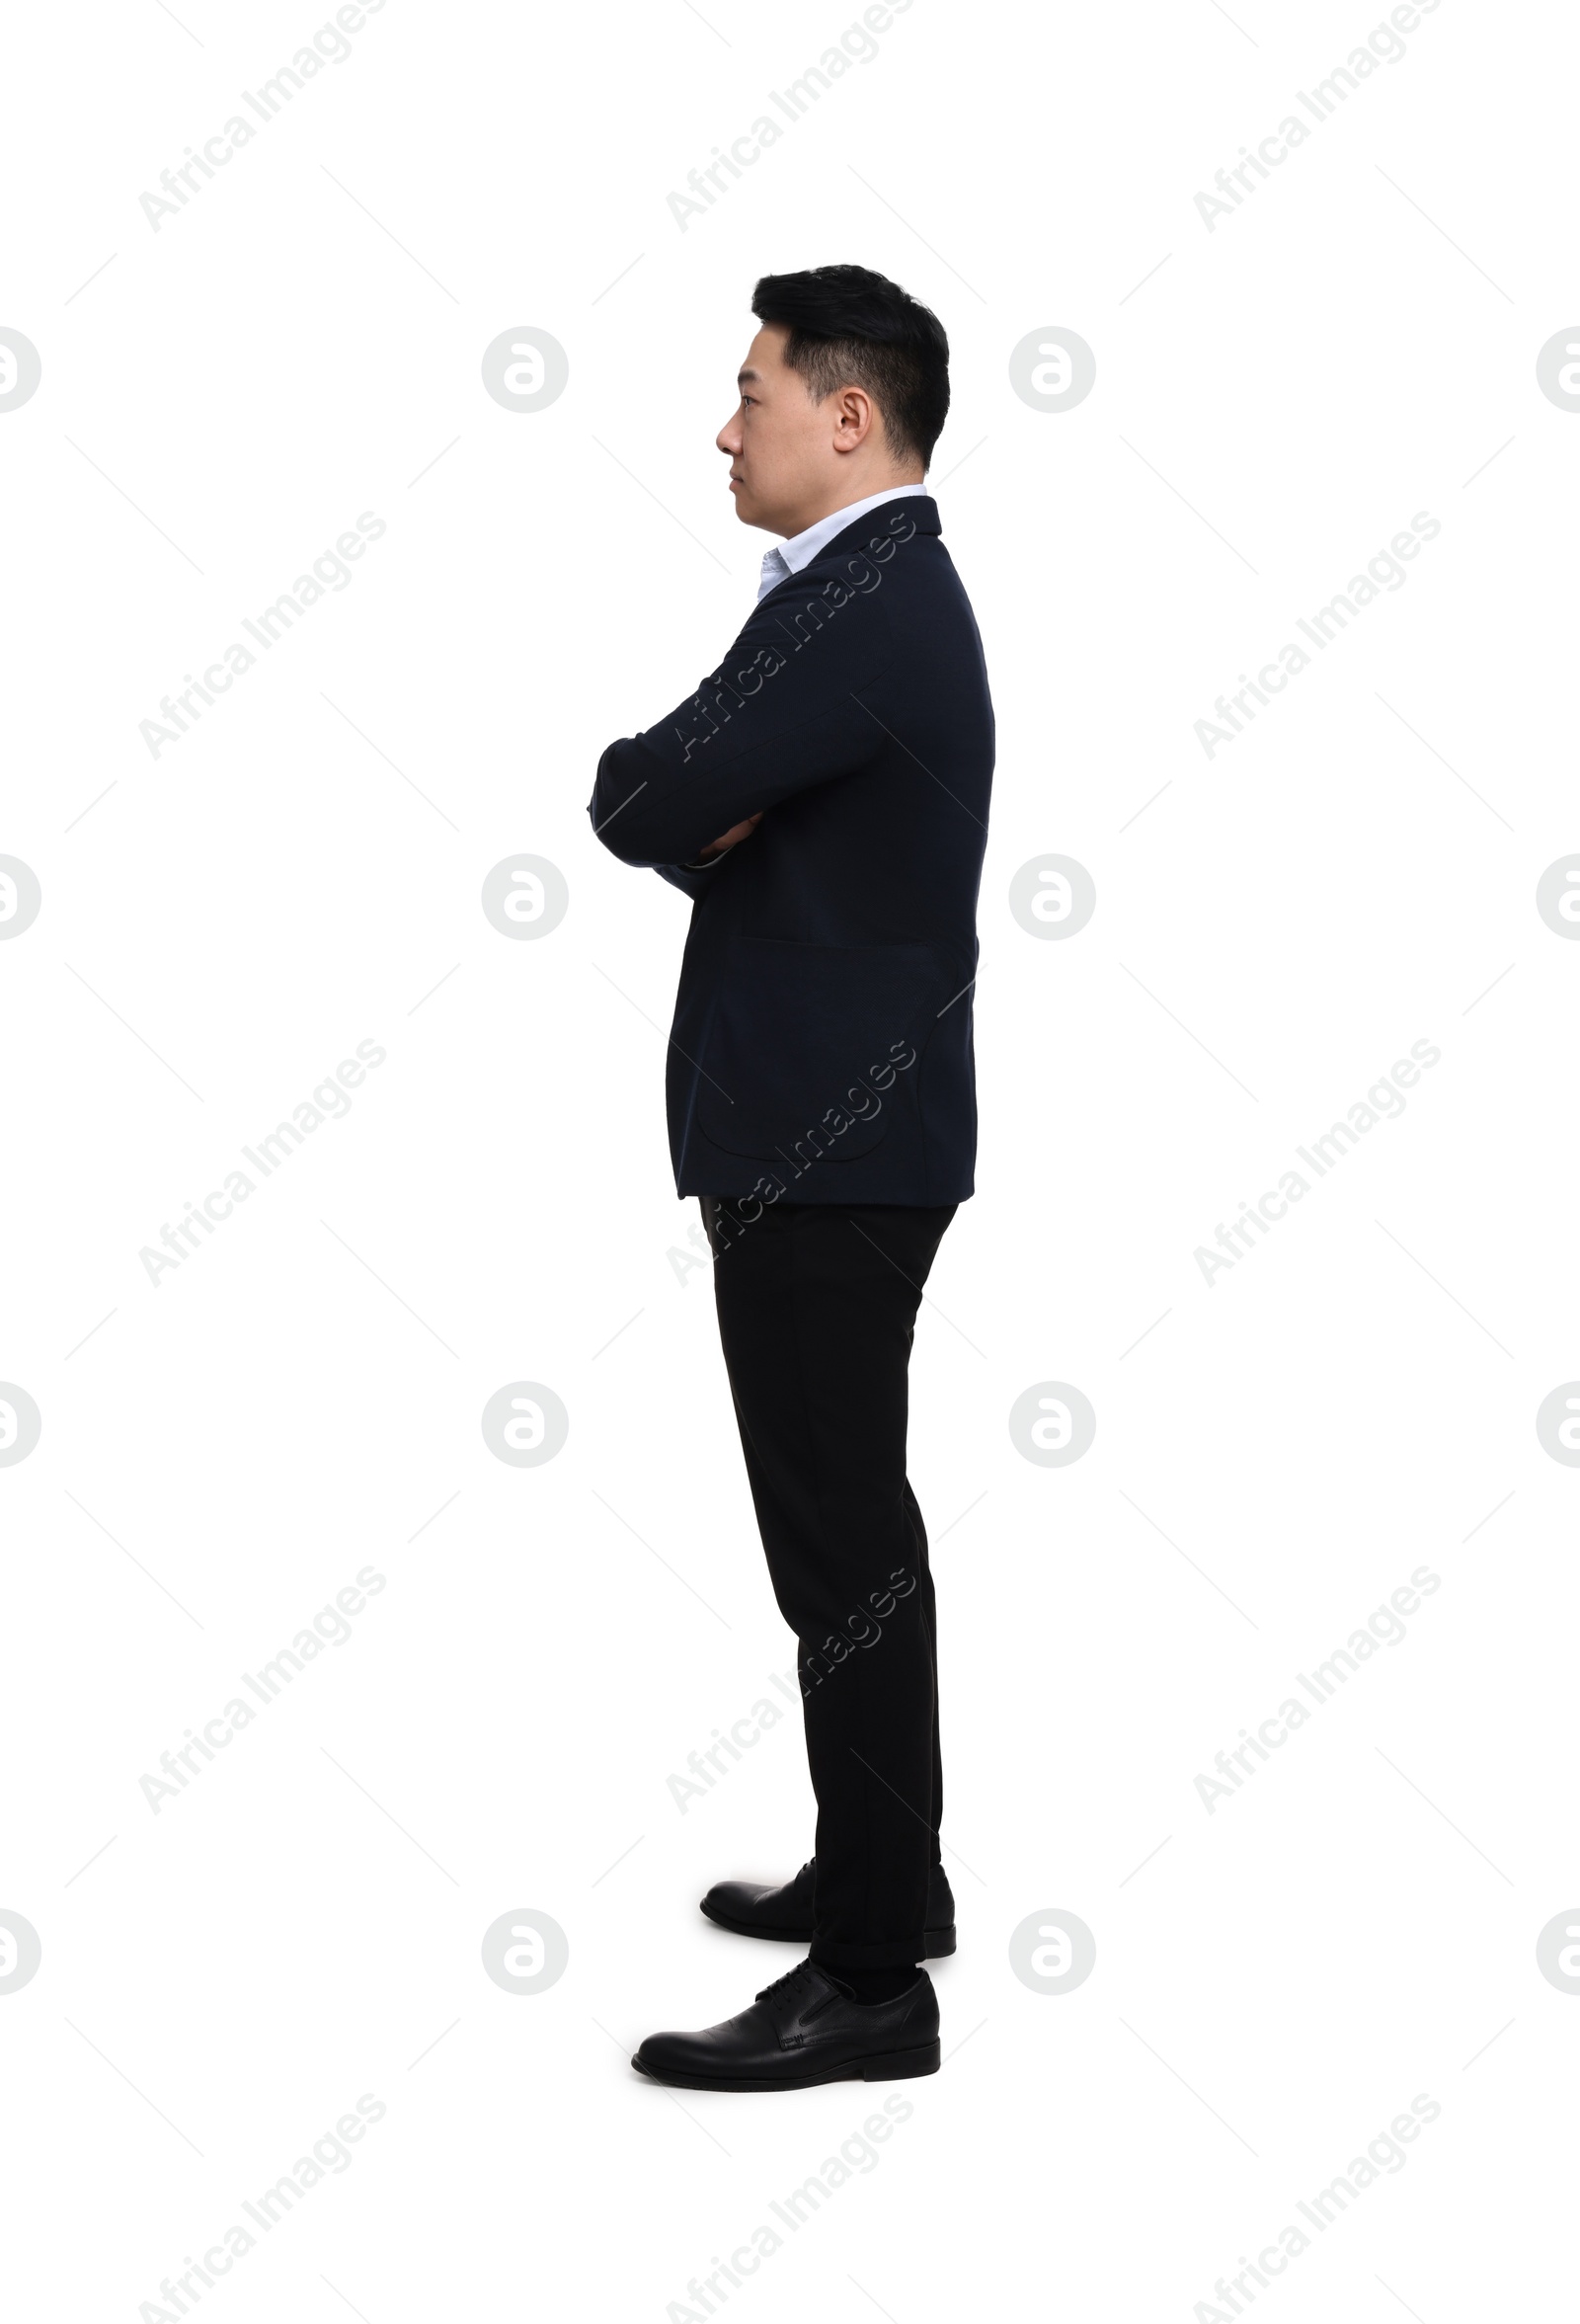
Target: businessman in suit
{"type": "Point", "coordinates": [823, 799]}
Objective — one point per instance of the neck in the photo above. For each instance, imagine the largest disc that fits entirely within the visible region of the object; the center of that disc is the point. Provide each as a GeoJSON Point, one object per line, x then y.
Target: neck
{"type": "Point", "coordinates": [836, 499]}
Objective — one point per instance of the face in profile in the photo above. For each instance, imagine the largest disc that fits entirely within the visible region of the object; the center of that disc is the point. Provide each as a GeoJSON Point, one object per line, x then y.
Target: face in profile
{"type": "Point", "coordinates": [778, 441]}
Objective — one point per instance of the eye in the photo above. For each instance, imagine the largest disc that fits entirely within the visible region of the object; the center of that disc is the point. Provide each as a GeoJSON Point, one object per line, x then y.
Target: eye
{"type": "Point", "coordinates": [747, 399]}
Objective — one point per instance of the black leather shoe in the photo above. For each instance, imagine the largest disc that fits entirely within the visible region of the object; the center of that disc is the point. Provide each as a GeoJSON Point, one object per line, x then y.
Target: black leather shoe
{"type": "Point", "coordinates": [784, 1913]}
{"type": "Point", "coordinates": [800, 2031]}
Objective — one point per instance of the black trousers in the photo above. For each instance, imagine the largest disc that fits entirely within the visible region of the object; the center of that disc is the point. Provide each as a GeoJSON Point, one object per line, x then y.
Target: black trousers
{"type": "Point", "coordinates": [817, 1309]}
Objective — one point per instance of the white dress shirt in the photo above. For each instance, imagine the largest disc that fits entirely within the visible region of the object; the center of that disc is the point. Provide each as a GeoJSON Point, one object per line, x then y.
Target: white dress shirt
{"type": "Point", "coordinates": [790, 555]}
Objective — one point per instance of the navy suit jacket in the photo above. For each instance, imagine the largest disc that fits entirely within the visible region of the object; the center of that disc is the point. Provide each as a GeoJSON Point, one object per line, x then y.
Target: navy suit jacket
{"type": "Point", "coordinates": [822, 1047]}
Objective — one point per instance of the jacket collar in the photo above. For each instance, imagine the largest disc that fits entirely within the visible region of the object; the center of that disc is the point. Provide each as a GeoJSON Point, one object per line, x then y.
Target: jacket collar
{"type": "Point", "coordinates": [919, 507]}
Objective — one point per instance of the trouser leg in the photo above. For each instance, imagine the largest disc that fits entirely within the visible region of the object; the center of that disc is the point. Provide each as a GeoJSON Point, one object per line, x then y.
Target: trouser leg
{"type": "Point", "coordinates": [816, 1304]}
{"type": "Point", "coordinates": [918, 1534]}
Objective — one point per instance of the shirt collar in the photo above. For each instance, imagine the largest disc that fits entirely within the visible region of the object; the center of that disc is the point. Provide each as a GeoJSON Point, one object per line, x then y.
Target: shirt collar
{"type": "Point", "coordinates": [789, 556]}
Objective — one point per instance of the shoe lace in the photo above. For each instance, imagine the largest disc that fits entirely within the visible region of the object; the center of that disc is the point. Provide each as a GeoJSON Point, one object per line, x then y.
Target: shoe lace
{"type": "Point", "coordinates": [790, 1986]}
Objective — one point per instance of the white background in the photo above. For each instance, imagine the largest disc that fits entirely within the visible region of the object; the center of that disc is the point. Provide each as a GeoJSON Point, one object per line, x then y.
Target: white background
{"type": "Point", "coordinates": [221, 1453]}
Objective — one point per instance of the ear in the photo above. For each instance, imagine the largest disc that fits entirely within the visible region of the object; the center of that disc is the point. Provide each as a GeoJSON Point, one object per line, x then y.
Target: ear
{"type": "Point", "coordinates": [855, 417]}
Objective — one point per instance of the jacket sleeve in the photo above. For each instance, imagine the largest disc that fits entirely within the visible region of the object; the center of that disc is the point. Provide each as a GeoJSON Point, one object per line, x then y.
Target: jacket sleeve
{"type": "Point", "coordinates": [692, 879]}
{"type": "Point", "coordinates": [781, 714]}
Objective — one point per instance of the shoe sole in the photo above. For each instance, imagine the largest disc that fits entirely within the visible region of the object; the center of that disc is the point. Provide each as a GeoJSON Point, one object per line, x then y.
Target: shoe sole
{"type": "Point", "coordinates": [897, 2066]}
{"type": "Point", "coordinates": [937, 1944]}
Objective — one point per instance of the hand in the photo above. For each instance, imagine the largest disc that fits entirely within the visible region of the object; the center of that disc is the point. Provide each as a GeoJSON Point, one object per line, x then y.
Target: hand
{"type": "Point", "coordinates": [732, 837]}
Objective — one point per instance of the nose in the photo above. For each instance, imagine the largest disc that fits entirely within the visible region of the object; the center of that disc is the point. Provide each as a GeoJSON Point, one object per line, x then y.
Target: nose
{"type": "Point", "coordinates": [728, 439]}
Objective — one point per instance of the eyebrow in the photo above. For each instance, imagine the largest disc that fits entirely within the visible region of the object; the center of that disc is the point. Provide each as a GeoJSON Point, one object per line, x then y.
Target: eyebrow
{"type": "Point", "coordinates": [742, 377]}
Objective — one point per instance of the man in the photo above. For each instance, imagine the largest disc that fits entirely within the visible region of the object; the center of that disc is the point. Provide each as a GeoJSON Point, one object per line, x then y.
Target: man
{"type": "Point", "coordinates": [821, 1105]}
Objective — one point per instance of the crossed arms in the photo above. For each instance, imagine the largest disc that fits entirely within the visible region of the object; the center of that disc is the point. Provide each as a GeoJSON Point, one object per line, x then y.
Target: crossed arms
{"type": "Point", "coordinates": [781, 714]}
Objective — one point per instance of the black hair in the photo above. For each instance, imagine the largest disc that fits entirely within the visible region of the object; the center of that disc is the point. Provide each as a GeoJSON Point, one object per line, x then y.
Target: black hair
{"type": "Point", "coordinates": [850, 327]}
